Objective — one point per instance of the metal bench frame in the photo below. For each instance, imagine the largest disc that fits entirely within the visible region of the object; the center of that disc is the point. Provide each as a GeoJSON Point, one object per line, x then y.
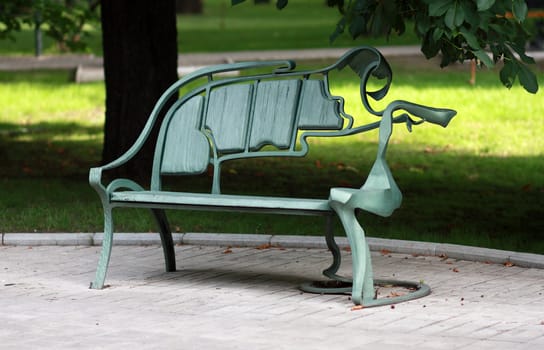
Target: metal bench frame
{"type": "Point", "coordinates": [226, 118]}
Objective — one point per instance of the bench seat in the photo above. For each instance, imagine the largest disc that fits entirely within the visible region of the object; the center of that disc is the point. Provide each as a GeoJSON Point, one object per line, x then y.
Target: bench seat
{"type": "Point", "coordinates": [207, 201]}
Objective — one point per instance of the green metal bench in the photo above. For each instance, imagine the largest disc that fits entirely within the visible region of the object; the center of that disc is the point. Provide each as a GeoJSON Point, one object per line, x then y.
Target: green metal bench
{"type": "Point", "coordinates": [234, 117]}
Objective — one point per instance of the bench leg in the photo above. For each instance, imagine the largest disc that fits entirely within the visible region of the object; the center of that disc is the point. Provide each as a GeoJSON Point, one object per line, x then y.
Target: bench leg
{"type": "Point", "coordinates": [166, 239]}
{"type": "Point", "coordinates": [104, 259]}
{"type": "Point", "coordinates": [363, 284]}
{"type": "Point", "coordinates": [330, 272]}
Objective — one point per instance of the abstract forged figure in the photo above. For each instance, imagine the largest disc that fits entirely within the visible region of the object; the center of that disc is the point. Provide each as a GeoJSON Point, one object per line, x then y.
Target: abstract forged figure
{"type": "Point", "coordinates": [271, 113]}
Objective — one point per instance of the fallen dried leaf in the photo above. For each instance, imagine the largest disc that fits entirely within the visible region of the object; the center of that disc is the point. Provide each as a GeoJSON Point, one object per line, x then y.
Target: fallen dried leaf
{"type": "Point", "coordinates": [318, 164]}
{"type": "Point", "coordinates": [347, 249]}
{"type": "Point", "coordinates": [227, 251]}
{"type": "Point", "coordinates": [385, 252]}
{"type": "Point", "coordinates": [264, 246]}
{"type": "Point", "coordinates": [455, 269]}
{"type": "Point", "coordinates": [357, 307]}
{"type": "Point", "coordinates": [508, 264]}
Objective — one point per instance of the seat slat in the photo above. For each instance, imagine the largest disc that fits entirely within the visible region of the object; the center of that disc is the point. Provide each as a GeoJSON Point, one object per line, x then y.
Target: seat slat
{"type": "Point", "coordinates": [274, 114]}
{"type": "Point", "coordinates": [317, 110]}
{"type": "Point", "coordinates": [227, 117]}
{"type": "Point", "coordinates": [278, 204]}
{"type": "Point", "coordinates": [186, 150]}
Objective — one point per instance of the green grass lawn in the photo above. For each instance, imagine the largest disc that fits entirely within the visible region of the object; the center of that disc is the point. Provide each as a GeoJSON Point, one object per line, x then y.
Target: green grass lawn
{"type": "Point", "coordinates": [479, 182]}
{"type": "Point", "coordinates": [302, 24]}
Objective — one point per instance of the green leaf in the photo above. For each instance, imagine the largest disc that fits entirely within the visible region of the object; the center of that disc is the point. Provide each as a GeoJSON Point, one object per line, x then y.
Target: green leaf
{"type": "Point", "coordinates": [520, 9]}
{"type": "Point", "coordinates": [484, 58]}
{"type": "Point", "coordinates": [357, 26]}
{"type": "Point", "coordinates": [378, 24]}
{"type": "Point", "coordinates": [459, 15]}
{"type": "Point", "coordinates": [439, 7]}
{"type": "Point", "coordinates": [471, 13]}
{"type": "Point", "coordinates": [484, 4]}
{"type": "Point", "coordinates": [449, 18]}
{"type": "Point", "coordinates": [455, 16]}
{"type": "Point", "coordinates": [449, 54]}
{"type": "Point", "coordinates": [340, 26]}
{"type": "Point", "coordinates": [437, 33]}
{"type": "Point", "coordinates": [508, 74]}
{"type": "Point", "coordinates": [429, 47]}
{"type": "Point", "coordinates": [482, 22]}
{"type": "Point", "coordinates": [470, 38]}
{"type": "Point", "coordinates": [527, 79]}
{"type": "Point", "coordinates": [423, 24]}
{"type": "Point", "coordinates": [501, 30]}
{"type": "Point", "coordinates": [501, 6]}
{"type": "Point", "coordinates": [236, 2]}
{"type": "Point", "coordinates": [520, 50]}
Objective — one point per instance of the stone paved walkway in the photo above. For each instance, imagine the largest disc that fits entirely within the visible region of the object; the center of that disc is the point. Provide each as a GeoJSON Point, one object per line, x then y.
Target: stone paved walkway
{"type": "Point", "coordinates": [247, 298]}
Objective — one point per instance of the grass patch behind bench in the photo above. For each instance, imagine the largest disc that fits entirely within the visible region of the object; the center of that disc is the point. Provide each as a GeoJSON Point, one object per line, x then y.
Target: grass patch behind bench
{"type": "Point", "coordinates": [478, 182]}
{"type": "Point", "coordinates": [221, 27]}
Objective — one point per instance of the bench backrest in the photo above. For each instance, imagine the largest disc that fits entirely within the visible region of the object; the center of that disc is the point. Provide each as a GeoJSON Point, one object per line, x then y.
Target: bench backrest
{"type": "Point", "coordinates": [235, 117]}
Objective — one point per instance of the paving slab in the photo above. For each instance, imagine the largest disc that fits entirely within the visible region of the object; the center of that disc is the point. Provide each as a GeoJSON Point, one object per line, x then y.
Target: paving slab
{"type": "Point", "coordinates": [247, 298]}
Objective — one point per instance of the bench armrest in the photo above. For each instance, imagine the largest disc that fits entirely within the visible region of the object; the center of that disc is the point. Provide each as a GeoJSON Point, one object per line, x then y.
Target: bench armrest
{"type": "Point", "coordinates": [439, 116]}
{"type": "Point", "coordinates": [95, 180]}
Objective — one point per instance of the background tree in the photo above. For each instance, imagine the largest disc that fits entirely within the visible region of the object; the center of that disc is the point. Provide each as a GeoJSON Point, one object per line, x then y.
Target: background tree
{"type": "Point", "coordinates": [65, 19]}
{"type": "Point", "coordinates": [459, 30]}
{"type": "Point", "coordinates": [140, 62]}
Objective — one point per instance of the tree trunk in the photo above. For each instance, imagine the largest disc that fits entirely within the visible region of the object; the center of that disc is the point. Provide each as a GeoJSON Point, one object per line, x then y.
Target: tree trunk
{"type": "Point", "coordinates": [140, 62]}
{"type": "Point", "coordinates": [190, 7]}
